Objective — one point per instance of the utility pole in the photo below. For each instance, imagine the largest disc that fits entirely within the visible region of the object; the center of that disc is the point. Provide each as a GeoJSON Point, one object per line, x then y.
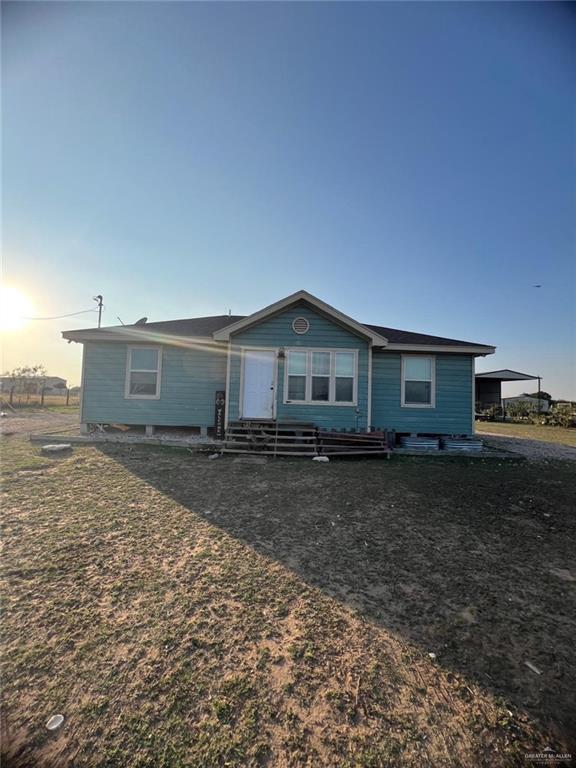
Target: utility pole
{"type": "Point", "coordinates": [99, 299]}
{"type": "Point", "coordinates": [539, 388]}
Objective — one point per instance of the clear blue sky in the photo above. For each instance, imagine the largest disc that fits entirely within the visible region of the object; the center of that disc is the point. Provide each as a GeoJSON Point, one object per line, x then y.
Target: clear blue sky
{"type": "Point", "coordinates": [412, 164]}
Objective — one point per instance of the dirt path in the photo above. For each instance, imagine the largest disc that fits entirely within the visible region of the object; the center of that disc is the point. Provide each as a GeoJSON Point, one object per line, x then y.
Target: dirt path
{"type": "Point", "coordinates": [535, 450]}
{"type": "Point", "coordinates": [24, 424]}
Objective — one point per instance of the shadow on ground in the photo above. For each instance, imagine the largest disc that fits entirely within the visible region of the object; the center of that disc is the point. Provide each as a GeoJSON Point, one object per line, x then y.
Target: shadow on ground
{"type": "Point", "coordinates": [471, 560]}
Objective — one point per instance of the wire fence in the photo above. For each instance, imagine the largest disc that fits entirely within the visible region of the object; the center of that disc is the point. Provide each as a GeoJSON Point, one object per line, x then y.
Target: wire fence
{"type": "Point", "coordinates": [64, 398]}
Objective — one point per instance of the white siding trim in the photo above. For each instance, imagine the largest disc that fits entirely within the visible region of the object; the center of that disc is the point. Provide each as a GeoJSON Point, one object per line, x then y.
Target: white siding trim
{"type": "Point", "coordinates": [369, 407]}
{"type": "Point", "coordinates": [430, 348]}
{"type": "Point", "coordinates": [82, 384]}
{"type": "Point", "coordinates": [227, 394]}
{"type": "Point", "coordinates": [432, 403]}
{"type": "Point", "coordinates": [158, 372]}
{"type": "Point", "coordinates": [473, 374]}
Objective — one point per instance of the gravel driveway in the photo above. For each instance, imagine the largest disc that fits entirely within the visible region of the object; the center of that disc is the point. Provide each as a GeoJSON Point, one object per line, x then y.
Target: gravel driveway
{"type": "Point", "coordinates": [24, 424]}
{"type": "Point", "coordinates": [535, 450]}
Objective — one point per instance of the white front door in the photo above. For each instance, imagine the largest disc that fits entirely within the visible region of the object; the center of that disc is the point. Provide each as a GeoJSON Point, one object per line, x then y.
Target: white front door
{"type": "Point", "coordinates": [258, 384]}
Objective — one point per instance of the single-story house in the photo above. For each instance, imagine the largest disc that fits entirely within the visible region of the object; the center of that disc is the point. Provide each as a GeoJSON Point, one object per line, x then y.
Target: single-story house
{"type": "Point", "coordinates": [297, 360]}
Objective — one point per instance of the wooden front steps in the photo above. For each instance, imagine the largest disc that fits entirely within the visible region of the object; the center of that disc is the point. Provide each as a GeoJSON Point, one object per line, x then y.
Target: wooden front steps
{"type": "Point", "coordinates": [271, 438]}
{"type": "Point", "coordinates": [300, 439]}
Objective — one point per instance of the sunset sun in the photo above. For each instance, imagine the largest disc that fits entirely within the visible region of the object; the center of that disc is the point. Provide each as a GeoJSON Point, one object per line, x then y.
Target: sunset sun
{"type": "Point", "coordinates": [15, 308]}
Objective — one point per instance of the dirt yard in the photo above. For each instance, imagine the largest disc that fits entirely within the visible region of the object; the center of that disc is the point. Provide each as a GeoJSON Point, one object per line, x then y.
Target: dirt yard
{"type": "Point", "coordinates": [24, 422]}
{"type": "Point", "coordinates": [534, 432]}
{"type": "Point", "coordinates": [533, 450]}
{"type": "Point", "coordinates": [186, 612]}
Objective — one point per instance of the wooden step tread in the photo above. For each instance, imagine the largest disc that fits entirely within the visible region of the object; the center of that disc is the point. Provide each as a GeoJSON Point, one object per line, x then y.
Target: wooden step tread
{"type": "Point", "coordinates": [271, 453]}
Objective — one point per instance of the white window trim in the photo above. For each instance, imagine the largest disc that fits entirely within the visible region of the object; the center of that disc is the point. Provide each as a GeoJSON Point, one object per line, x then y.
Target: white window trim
{"type": "Point", "coordinates": [432, 380]}
{"type": "Point", "coordinates": [129, 370]}
{"type": "Point", "coordinates": [332, 377]}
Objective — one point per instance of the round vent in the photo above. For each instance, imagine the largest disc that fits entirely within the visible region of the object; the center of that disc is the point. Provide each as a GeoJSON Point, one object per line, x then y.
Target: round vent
{"type": "Point", "coordinates": [300, 325]}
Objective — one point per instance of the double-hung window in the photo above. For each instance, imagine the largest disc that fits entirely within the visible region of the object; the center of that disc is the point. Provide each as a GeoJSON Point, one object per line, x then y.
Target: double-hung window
{"type": "Point", "coordinates": [321, 376]}
{"type": "Point", "coordinates": [143, 372]}
{"type": "Point", "coordinates": [418, 381]}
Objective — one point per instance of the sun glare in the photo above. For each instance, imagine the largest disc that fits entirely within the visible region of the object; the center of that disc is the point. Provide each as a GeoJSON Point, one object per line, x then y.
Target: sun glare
{"type": "Point", "coordinates": [15, 308]}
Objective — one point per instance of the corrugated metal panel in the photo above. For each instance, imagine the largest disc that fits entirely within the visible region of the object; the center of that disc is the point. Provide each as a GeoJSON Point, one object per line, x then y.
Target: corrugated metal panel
{"type": "Point", "coordinates": [461, 444]}
{"type": "Point", "coordinates": [420, 443]}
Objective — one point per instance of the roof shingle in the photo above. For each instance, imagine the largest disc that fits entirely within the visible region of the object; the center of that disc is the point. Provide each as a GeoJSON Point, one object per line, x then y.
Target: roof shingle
{"type": "Point", "coordinates": [204, 327]}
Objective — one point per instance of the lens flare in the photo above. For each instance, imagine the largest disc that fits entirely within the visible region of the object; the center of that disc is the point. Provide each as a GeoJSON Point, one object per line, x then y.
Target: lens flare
{"type": "Point", "coordinates": [15, 307]}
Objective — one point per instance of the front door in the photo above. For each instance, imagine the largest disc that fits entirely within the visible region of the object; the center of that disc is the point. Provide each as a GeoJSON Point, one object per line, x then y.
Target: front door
{"type": "Point", "coordinates": [258, 384]}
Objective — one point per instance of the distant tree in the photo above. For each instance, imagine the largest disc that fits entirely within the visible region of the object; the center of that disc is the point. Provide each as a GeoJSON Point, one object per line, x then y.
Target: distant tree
{"type": "Point", "coordinates": [541, 395]}
{"type": "Point", "coordinates": [27, 378]}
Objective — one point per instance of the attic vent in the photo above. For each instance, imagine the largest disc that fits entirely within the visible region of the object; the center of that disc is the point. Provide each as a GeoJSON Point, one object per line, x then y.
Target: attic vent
{"type": "Point", "coordinates": [300, 325]}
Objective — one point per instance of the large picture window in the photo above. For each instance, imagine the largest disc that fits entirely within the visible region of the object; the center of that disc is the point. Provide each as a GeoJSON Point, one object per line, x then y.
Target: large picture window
{"type": "Point", "coordinates": [321, 376]}
{"type": "Point", "coordinates": [418, 381]}
{"type": "Point", "coordinates": [143, 372]}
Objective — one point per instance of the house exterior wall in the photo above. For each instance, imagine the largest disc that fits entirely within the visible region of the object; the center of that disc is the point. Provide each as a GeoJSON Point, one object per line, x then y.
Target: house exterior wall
{"type": "Point", "coordinates": [453, 411]}
{"type": "Point", "coordinates": [189, 381]}
{"type": "Point", "coordinates": [191, 377]}
{"type": "Point", "coordinates": [276, 332]}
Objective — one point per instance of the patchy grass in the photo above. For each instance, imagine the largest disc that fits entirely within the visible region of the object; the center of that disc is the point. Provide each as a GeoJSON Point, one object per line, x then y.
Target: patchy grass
{"type": "Point", "coordinates": [34, 408]}
{"type": "Point", "coordinates": [559, 435]}
{"type": "Point", "coordinates": [182, 612]}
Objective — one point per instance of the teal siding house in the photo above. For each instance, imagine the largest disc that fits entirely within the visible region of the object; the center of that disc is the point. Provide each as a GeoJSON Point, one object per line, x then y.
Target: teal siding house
{"type": "Point", "coordinates": [298, 360]}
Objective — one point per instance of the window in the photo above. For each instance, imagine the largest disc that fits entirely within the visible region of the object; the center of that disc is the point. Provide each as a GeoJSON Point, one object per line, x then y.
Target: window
{"type": "Point", "coordinates": [418, 381]}
{"type": "Point", "coordinates": [320, 376]}
{"type": "Point", "coordinates": [297, 362]}
{"type": "Point", "coordinates": [143, 372]}
{"type": "Point", "coordinates": [344, 377]}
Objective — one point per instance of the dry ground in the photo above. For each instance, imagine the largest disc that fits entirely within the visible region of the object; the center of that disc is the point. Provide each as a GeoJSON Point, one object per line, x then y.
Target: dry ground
{"type": "Point", "coordinates": [25, 421]}
{"type": "Point", "coordinates": [557, 435]}
{"type": "Point", "coordinates": [185, 612]}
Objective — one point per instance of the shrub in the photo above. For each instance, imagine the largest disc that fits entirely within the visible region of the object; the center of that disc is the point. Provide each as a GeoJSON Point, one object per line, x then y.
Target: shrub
{"type": "Point", "coordinates": [561, 415]}
{"type": "Point", "coordinates": [520, 409]}
{"type": "Point", "coordinates": [491, 413]}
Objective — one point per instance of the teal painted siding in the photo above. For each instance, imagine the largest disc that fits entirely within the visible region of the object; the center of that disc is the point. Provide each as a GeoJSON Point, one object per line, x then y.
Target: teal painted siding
{"type": "Point", "coordinates": [453, 411]}
{"type": "Point", "coordinates": [277, 332]}
{"type": "Point", "coordinates": [190, 377]}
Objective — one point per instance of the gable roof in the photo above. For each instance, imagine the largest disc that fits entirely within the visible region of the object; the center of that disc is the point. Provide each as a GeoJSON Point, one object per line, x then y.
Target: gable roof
{"type": "Point", "coordinates": [396, 336]}
{"type": "Point", "coordinates": [325, 309]}
{"type": "Point", "coordinates": [206, 330]}
{"type": "Point", "coordinates": [199, 328]}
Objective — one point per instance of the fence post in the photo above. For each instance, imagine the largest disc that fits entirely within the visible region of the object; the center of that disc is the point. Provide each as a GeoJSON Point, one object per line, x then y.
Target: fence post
{"type": "Point", "coordinates": [42, 398]}
{"type": "Point", "coordinates": [68, 396]}
{"type": "Point", "coordinates": [11, 395]}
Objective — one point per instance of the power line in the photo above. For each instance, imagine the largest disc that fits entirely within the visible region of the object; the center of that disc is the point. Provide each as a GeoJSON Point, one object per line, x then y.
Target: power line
{"type": "Point", "coordinates": [58, 317]}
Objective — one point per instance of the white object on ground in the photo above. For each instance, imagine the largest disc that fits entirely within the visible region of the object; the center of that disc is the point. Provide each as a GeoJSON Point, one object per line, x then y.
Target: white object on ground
{"type": "Point", "coordinates": [432, 655]}
{"type": "Point", "coordinates": [532, 667]}
{"type": "Point", "coordinates": [57, 448]}
{"type": "Point", "coordinates": [55, 722]}
{"type": "Point", "coordinates": [3, 414]}
{"type": "Point", "coordinates": [320, 458]}
{"type": "Point", "coordinates": [213, 456]}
